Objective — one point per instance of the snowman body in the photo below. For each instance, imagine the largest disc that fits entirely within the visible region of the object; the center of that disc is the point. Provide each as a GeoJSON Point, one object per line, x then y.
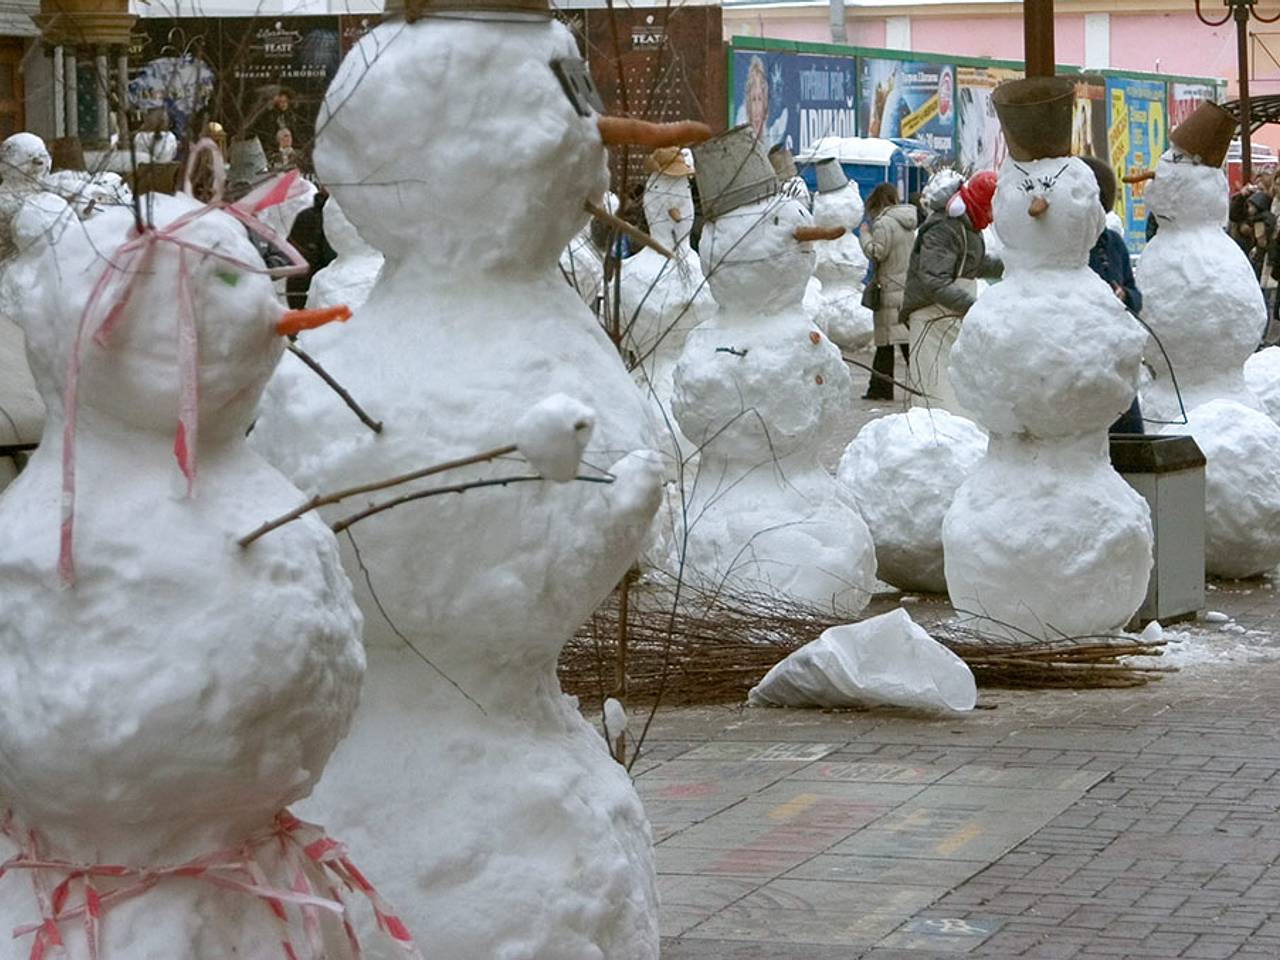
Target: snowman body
{"type": "Point", "coordinates": [756, 388]}
{"type": "Point", "coordinates": [583, 268]}
{"type": "Point", "coordinates": [1203, 302]}
{"type": "Point", "coordinates": [1044, 539]}
{"type": "Point", "coordinates": [348, 279]}
{"type": "Point", "coordinates": [508, 831]}
{"type": "Point", "coordinates": [840, 268]}
{"type": "Point", "coordinates": [184, 690]}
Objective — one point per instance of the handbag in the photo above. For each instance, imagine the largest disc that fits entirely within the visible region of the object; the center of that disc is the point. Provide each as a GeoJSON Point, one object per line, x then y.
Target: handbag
{"type": "Point", "coordinates": [871, 291]}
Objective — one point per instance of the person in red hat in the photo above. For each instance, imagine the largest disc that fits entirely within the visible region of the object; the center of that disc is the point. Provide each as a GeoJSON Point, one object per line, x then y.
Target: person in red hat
{"type": "Point", "coordinates": [948, 257]}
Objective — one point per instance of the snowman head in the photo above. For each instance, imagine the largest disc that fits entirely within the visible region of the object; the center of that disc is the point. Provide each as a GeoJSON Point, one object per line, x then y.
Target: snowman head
{"type": "Point", "coordinates": [839, 208]}
{"type": "Point", "coordinates": [132, 375]}
{"type": "Point", "coordinates": [467, 144]}
{"type": "Point", "coordinates": [752, 259]}
{"type": "Point", "coordinates": [24, 161]}
{"type": "Point", "coordinates": [1185, 192]}
{"type": "Point", "coordinates": [1047, 212]}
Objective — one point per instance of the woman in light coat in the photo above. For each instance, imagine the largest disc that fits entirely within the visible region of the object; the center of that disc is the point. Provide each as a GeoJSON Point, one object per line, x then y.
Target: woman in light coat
{"type": "Point", "coordinates": [887, 241]}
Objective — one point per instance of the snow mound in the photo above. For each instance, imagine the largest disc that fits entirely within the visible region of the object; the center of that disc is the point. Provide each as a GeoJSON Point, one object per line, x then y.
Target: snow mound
{"type": "Point", "coordinates": [1262, 376]}
{"type": "Point", "coordinates": [888, 660]}
{"type": "Point", "coordinates": [902, 472]}
{"type": "Point", "coordinates": [1242, 495]}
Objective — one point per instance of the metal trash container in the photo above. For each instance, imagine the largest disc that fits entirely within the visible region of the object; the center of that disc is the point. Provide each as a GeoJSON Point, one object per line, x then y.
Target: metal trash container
{"type": "Point", "coordinates": [1169, 473]}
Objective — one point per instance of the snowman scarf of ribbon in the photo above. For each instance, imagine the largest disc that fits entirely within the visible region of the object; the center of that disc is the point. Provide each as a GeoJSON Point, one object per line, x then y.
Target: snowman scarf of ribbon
{"type": "Point", "coordinates": [116, 284]}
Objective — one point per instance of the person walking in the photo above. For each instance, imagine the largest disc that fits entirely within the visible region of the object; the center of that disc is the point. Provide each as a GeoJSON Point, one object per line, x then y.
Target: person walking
{"type": "Point", "coordinates": [947, 259]}
{"type": "Point", "coordinates": [1110, 260]}
{"type": "Point", "coordinates": [887, 239]}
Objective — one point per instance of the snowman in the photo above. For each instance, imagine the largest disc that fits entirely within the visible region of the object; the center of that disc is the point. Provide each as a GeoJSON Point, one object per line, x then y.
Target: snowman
{"type": "Point", "coordinates": [841, 264]}
{"type": "Point", "coordinates": [352, 273]}
{"type": "Point", "coordinates": [663, 298]}
{"type": "Point", "coordinates": [166, 700]}
{"type": "Point", "coordinates": [1044, 539]}
{"type": "Point", "coordinates": [756, 390]}
{"type": "Point", "coordinates": [505, 827]}
{"type": "Point", "coordinates": [1262, 376]}
{"type": "Point", "coordinates": [1204, 304]}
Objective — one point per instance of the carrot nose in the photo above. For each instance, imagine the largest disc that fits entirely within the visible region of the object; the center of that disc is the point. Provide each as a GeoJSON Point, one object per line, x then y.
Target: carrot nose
{"type": "Point", "coordinates": [1140, 177]}
{"type": "Point", "coordinates": [295, 321]}
{"type": "Point", "coordinates": [1037, 206]}
{"type": "Point", "coordinates": [620, 131]}
{"type": "Point", "coordinates": [804, 234]}
{"type": "Point", "coordinates": [675, 214]}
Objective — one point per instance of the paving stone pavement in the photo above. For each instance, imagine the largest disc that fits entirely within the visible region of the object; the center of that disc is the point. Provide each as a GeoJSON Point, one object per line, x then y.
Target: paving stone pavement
{"type": "Point", "coordinates": [1047, 824]}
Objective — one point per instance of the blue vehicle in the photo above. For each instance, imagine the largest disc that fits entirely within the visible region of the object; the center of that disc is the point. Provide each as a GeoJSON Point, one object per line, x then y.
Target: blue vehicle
{"type": "Point", "coordinates": [870, 161]}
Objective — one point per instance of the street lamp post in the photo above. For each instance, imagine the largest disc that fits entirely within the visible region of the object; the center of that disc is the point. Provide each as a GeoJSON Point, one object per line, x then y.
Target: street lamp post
{"type": "Point", "coordinates": [1037, 37]}
{"type": "Point", "coordinates": [1241, 11]}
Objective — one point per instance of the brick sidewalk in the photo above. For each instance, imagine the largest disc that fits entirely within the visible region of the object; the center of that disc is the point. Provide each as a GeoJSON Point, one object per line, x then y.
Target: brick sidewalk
{"type": "Point", "coordinates": [1129, 823]}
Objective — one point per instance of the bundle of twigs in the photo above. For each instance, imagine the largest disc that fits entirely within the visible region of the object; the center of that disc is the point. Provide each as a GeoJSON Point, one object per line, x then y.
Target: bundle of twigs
{"type": "Point", "coordinates": [713, 646]}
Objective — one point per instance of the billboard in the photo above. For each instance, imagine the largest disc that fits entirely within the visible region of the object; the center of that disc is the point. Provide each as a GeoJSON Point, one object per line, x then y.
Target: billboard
{"type": "Point", "coordinates": [1137, 131]}
{"type": "Point", "coordinates": [1185, 97]}
{"type": "Point", "coordinates": [908, 99]}
{"type": "Point", "coordinates": [1089, 121]}
{"type": "Point", "coordinates": [979, 139]}
{"type": "Point", "coordinates": [794, 98]}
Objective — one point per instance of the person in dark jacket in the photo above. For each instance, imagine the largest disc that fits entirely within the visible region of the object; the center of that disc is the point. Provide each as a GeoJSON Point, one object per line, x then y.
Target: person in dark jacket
{"type": "Point", "coordinates": [948, 257]}
{"type": "Point", "coordinates": [1109, 259]}
{"type": "Point", "coordinates": [307, 237]}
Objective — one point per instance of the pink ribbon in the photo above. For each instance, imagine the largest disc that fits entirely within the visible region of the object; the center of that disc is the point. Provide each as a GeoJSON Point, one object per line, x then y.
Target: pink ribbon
{"type": "Point", "coordinates": [124, 267]}
{"type": "Point", "coordinates": [299, 844]}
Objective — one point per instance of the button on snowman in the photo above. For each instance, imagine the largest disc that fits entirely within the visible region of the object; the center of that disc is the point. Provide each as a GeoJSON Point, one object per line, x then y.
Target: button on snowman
{"type": "Point", "coordinates": [756, 388]}
{"type": "Point", "coordinates": [1044, 539]}
{"type": "Point", "coordinates": [168, 703]}
{"type": "Point", "coordinates": [506, 829]}
{"type": "Point", "coordinates": [1203, 302]}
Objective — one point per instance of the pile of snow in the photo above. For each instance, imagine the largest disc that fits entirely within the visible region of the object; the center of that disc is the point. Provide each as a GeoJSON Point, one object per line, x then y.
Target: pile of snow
{"type": "Point", "coordinates": [902, 472]}
{"type": "Point", "coordinates": [888, 660]}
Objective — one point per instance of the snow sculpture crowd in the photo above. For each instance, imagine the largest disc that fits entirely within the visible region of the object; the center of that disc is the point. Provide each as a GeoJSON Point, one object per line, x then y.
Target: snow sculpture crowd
{"type": "Point", "coordinates": [138, 549]}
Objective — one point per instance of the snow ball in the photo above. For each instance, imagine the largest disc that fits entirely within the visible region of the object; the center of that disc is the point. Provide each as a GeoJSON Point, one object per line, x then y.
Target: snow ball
{"type": "Point", "coordinates": [1152, 632]}
{"type": "Point", "coordinates": [553, 434]}
{"type": "Point", "coordinates": [901, 473]}
{"type": "Point", "coordinates": [615, 719]}
{"type": "Point", "coordinates": [1262, 374]}
{"type": "Point", "coordinates": [1216, 616]}
{"type": "Point", "coordinates": [1241, 447]}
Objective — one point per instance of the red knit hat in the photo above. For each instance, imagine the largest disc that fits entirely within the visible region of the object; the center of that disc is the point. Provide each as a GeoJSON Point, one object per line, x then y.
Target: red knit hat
{"type": "Point", "coordinates": [976, 194]}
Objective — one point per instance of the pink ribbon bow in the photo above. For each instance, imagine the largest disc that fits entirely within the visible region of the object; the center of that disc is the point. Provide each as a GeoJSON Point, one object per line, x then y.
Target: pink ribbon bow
{"type": "Point", "coordinates": [123, 270]}
{"type": "Point", "coordinates": [299, 845]}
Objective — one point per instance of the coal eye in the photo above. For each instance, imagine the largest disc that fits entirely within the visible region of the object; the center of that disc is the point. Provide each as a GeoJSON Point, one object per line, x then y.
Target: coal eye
{"type": "Point", "coordinates": [1027, 185]}
{"type": "Point", "coordinates": [775, 220]}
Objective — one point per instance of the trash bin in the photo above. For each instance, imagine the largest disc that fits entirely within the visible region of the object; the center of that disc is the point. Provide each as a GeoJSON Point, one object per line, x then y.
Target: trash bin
{"type": "Point", "coordinates": [1169, 473]}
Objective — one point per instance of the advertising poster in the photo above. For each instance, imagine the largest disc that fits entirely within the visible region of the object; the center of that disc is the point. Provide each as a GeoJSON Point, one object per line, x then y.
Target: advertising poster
{"type": "Point", "coordinates": [1185, 97]}
{"type": "Point", "coordinates": [980, 141]}
{"type": "Point", "coordinates": [1136, 133]}
{"type": "Point", "coordinates": [794, 98]}
{"type": "Point", "coordinates": [1089, 122]}
{"type": "Point", "coordinates": [909, 100]}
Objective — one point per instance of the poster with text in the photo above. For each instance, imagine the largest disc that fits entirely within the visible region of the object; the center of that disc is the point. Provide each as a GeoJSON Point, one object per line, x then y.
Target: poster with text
{"type": "Point", "coordinates": [980, 141]}
{"type": "Point", "coordinates": [909, 100]}
{"type": "Point", "coordinates": [1136, 134]}
{"type": "Point", "coordinates": [1089, 120]}
{"type": "Point", "coordinates": [794, 98]}
{"type": "Point", "coordinates": [1185, 97]}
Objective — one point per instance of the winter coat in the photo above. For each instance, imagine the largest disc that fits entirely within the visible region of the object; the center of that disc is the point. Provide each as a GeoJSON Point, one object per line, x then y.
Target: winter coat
{"type": "Point", "coordinates": [947, 250]}
{"type": "Point", "coordinates": [888, 245]}
{"type": "Point", "coordinates": [1109, 259]}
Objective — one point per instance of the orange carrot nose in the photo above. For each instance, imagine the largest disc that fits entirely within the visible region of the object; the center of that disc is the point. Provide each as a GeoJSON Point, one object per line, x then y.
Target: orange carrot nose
{"type": "Point", "coordinates": [805, 234]}
{"type": "Point", "coordinates": [619, 131]}
{"type": "Point", "coordinates": [1037, 207]}
{"type": "Point", "coordinates": [295, 321]}
{"type": "Point", "coordinates": [1139, 177]}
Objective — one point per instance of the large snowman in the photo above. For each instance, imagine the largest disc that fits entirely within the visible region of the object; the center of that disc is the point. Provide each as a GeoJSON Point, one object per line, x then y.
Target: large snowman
{"type": "Point", "coordinates": [664, 298]}
{"type": "Point", "coordinates": [1044, 539]}
{"type": "Point", "coordinates": [505, 828]}
{"type": "Point", "coordinates": [163, 703]}
{"type": "Point", "coordinates": [1203, 302]}
{"type": "Point", "coordinates": [756, 390]}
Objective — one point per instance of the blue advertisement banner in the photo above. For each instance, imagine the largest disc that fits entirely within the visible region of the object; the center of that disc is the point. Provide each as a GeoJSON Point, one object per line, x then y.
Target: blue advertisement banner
{"type": "Point", "coordinates": [794, 98]}
{"type": "Point", "coordinates": [1137, 130]}
{"type": "Point", "coordinates": [909, 100]}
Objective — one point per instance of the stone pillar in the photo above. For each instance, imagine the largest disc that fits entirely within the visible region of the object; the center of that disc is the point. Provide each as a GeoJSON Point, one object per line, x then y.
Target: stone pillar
{"type": "Point", "coordinates": [59, 95]}
{"type": "Point", "coordinates": [103, 94]}
{"type": "Point", "coordinates": [71, 91]}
